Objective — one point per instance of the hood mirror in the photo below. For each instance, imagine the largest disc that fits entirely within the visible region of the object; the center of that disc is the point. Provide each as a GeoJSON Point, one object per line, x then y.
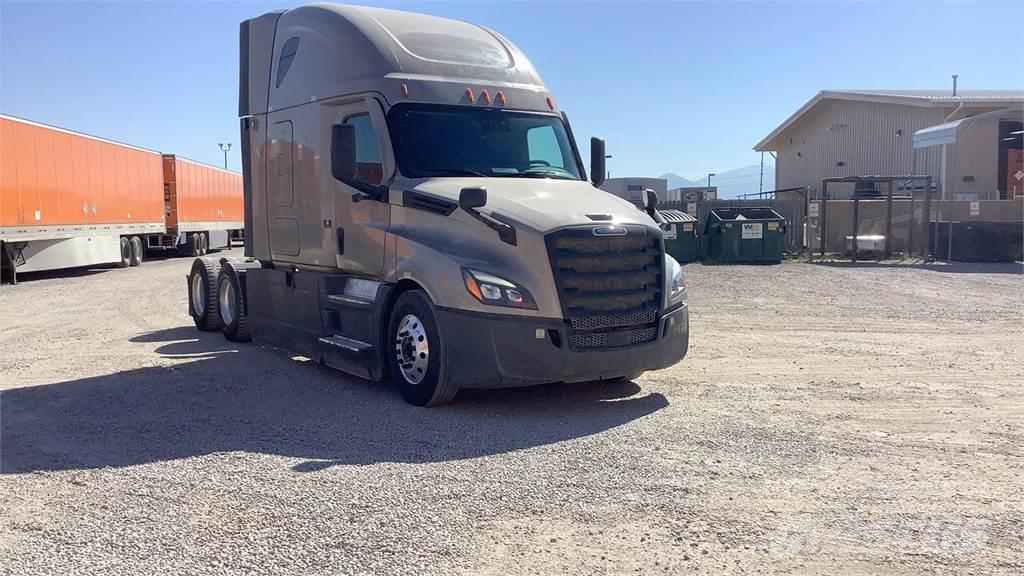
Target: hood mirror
{"type": "Point", "coordinates": [597, 158]}
{"type": "Point", "coordinates": [470, 198]}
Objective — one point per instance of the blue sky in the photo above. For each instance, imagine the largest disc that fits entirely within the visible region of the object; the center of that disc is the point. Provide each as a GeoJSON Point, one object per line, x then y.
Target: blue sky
{"type": "Point", "coordinates": [684, 87]}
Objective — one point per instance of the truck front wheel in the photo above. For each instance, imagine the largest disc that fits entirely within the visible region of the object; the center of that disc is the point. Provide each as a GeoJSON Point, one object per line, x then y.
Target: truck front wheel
{"type": "Point", "coordinates": [415, 351]}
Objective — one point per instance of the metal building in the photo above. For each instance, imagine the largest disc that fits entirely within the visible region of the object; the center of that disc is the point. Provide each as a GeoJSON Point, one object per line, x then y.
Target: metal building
{"type": "Point", "coordinates": [862, 132]}
{"type": "Point", "coordinates": [631, 188]}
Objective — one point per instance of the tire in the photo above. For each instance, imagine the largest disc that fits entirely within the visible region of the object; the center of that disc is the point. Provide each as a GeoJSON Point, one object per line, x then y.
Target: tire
{"type": "Point", "coordinates": [412, 334]}
{"type": "Point", "coordinates": [138, 251]}
{"type": "Point", "coordinates": [202, 294]}
{"type": "Point", "coordinates": [231, 306]}
{"type": "Point", "coordinates": [192, 244]}
{"type": "Point", "coordinates": [204, 244]}
{"type": "Point", "coordinates": [126, 253]}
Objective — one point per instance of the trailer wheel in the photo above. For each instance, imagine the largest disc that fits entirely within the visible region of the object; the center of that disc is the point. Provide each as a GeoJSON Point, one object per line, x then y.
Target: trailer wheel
{"type": "Point", "coordinates": [231, 306]}
{"type": "Point", "coordinates": [126, 253]}
{"type": "Point", "coordinates": [202, 294]}
{"type": "Point", "coordinates": [137, 251]}
{"type": "Point", "coordinates": [415, 351]}
{"type": "Point", "coordinates": [192, 244]}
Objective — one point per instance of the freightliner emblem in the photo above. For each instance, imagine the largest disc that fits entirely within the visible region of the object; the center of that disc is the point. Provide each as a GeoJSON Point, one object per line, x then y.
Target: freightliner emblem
{"type": "Point", "coordinates": [609, 231]}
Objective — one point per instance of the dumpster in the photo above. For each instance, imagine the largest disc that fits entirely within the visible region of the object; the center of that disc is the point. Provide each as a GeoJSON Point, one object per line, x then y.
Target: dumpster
{"type": "Point", "coordinates": [681, 234]}
{"type": "Point", "coordinates": [745, 235]}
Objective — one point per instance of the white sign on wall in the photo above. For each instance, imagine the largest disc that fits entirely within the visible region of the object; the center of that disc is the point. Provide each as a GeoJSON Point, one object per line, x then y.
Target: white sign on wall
{"type": "Point", "coordinates": [812, 210]}
{"type": "Point", "coordinates": [752, 231]}
{"type": "Point", "coordinates": [691, 208]}
{"type": "Point", "coordinates": [975, 208]}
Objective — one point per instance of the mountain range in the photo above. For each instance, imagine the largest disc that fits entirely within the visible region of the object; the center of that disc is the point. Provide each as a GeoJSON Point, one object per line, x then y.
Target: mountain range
{"type": "Point", "coordinates": [731, 183]}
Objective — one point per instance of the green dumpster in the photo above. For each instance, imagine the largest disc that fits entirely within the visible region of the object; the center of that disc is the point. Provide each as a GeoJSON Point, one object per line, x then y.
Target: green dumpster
{"type": "Point", "coordinates": [745, 235]}
{"type": "Point", "coordinates": [681, 234]}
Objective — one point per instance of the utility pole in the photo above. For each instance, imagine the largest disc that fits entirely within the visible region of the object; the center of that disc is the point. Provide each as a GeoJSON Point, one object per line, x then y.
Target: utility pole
{"type": "Point", "coordinates": [608, 173]}
{"type": "Point", "coordinates": [225, 151]}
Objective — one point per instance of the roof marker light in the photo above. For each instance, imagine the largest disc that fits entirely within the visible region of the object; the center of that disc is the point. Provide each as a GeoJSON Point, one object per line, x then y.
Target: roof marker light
{"type": "Point", "coordinates": [405, 90]}
{"type": "Point", "coordinates": [485, 96]}
{"type": "Point", "coordinates": [469, 95]}
{"type": "Point", "coordinates": [550, 101]}
{"type": "Point", "coordinates": [501, 97]}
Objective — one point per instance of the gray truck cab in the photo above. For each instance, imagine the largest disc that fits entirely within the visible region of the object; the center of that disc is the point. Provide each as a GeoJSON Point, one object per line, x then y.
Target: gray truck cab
{"type": "Point", "coordinates": [416, 209]}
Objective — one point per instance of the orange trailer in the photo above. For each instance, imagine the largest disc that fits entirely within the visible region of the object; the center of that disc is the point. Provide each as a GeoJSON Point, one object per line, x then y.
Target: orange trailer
{"type": "Point", "coordinates": [203, 204]}
{"type": "Point", "coordinates": [69, 199]}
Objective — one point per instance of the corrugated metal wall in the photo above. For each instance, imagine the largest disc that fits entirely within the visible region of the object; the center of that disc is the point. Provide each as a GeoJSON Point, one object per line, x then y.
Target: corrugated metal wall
{"type": "Point", "coordinates": [867, 138]}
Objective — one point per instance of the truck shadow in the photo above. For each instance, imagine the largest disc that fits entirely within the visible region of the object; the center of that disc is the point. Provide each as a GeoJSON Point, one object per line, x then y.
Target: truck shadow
{"type": "Point", "coordinates": [260, 401]}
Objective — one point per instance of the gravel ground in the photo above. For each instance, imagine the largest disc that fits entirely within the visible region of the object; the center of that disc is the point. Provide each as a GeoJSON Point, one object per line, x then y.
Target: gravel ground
{"type": "Point", "coordinates": [829, 419]}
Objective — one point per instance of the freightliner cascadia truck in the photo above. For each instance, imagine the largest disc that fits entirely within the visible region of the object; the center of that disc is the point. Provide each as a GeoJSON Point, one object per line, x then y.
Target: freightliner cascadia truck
{"type": "Point", "coordinates": [69, 199]}
{"type": "Point", "coordinates": [417, 210]}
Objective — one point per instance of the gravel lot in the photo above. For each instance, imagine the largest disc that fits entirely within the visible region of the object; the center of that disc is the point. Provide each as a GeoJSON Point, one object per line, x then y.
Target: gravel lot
{"type": "Point", "coordinates": [828, 419]}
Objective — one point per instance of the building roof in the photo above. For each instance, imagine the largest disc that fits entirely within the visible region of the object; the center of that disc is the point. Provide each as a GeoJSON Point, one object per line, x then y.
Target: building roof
{"type": "Point", "coordinates": [922, 98]}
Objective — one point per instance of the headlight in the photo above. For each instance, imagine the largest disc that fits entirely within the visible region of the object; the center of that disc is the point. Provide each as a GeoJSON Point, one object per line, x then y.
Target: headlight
{"type": "Point", "coordinates": [675, 289]}
{"type": "Point", "coordinates": [494, 291]}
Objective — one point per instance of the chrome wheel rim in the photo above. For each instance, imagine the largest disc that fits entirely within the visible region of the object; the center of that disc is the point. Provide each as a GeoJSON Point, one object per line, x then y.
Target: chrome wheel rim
{"type": "Point", "coordinates": [226, 298]}
{"type": "Point", "coordinates": [198, 295]}
{"type": "Point", "coordinates": [412, 349]}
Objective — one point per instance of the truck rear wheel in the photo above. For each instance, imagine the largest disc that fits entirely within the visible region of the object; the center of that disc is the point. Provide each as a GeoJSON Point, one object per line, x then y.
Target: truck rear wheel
{"type": "Point", "coordinates": [415, 351]}
{"type": "Point", "coordinates": [138, 251]}
{"type": "Point", "coordinates": [126, 253]}
{"type": "Point", "coordinates": [204, 244]}
{"type": "Point", "coordinates": [202, 294]}
{"type": "Point", "coordinates": [231, 307]}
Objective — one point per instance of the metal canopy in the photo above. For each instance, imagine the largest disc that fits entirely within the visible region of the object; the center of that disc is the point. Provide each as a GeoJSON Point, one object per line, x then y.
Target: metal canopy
{"type": "Point", "coordinates": [949, 132]}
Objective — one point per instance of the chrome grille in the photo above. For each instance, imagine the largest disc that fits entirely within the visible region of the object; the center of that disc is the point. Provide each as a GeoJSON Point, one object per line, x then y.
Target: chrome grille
{"type": "Point", "coordinates": [608, 284]}
{"type": "Point", "coordinates": [613, 321]}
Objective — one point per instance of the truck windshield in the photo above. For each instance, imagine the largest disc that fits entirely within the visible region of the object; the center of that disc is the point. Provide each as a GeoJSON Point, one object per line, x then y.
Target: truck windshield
{"type": "Point", "coordinates": [433, 141]}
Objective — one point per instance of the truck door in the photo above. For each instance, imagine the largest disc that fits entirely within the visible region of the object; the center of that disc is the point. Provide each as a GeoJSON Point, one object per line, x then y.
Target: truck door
{"type": "Point", "coordinates": [361, 224]}
{"type": "Point", "coordinates": [282, 215]}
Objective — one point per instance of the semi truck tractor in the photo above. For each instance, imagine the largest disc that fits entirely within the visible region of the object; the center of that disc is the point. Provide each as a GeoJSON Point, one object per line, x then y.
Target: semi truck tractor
{"type": "Point", "coordinates": [417, 210]}
{"type": "Point", "coordinates": [69, 199]}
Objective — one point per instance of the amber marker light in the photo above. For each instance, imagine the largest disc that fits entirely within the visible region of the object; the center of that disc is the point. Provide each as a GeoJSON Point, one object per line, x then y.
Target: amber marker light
{"type": "Point", "coordinates": [485, 96]}
{"type": "Point", "coordinates": [501, 97]}
{"type": "Point", "coordinates": [469, 95]}
{"type": "Point", "coordinates": [405, 90]}
{"type": "Point", "coordinates": [550, 101]}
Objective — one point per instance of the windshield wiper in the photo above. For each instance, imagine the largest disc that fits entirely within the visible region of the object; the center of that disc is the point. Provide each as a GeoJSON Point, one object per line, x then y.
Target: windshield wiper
{"type": "Point", "coordinates": [554, 175]}
{"type": "Point", "coordinates": [454, 172]}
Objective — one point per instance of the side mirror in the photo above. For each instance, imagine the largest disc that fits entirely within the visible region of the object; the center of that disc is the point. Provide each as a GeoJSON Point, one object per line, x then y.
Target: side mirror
{"type": "Point", "coordinates": [597, 168]}
{"type": "Point", "coordinates": [472, 198]}
{"type": "Point", "coordinates": [343, 152]}
{"type": "Point", "coordinates": [650, 200]}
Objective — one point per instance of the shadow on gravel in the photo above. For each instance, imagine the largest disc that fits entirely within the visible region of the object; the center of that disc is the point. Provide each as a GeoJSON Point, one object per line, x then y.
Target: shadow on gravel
{"type": "Point", "coordinates": [260, 401]}
{"type": "Point", "coordinates": [950, 267]}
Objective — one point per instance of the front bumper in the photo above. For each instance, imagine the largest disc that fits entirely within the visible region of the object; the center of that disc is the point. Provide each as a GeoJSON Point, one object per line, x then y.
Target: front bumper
{"type": "Point", "coordinates": [498, 351]}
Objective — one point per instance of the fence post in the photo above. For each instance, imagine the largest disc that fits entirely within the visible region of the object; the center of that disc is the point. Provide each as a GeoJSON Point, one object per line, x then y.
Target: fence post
{"type": "Point", "coordinates": [823, 215]}
{"type": "Point", "coordinates": [949, 243]}
{"type": "Point", "coordinates": [856, 219]}
{"type": "Point", "coordinates": [888, 222]}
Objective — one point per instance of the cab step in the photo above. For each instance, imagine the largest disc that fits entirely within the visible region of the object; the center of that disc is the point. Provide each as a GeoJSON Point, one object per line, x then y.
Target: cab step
{"type": "Point", "coordinates": [349, 355]}
{"type": "Point", "coordinates": [347, 345]}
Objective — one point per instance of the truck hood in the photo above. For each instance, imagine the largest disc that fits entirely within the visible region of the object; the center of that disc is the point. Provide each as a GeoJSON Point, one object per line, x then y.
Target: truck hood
{"type": "Point", "coordinates": [543, 204]}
